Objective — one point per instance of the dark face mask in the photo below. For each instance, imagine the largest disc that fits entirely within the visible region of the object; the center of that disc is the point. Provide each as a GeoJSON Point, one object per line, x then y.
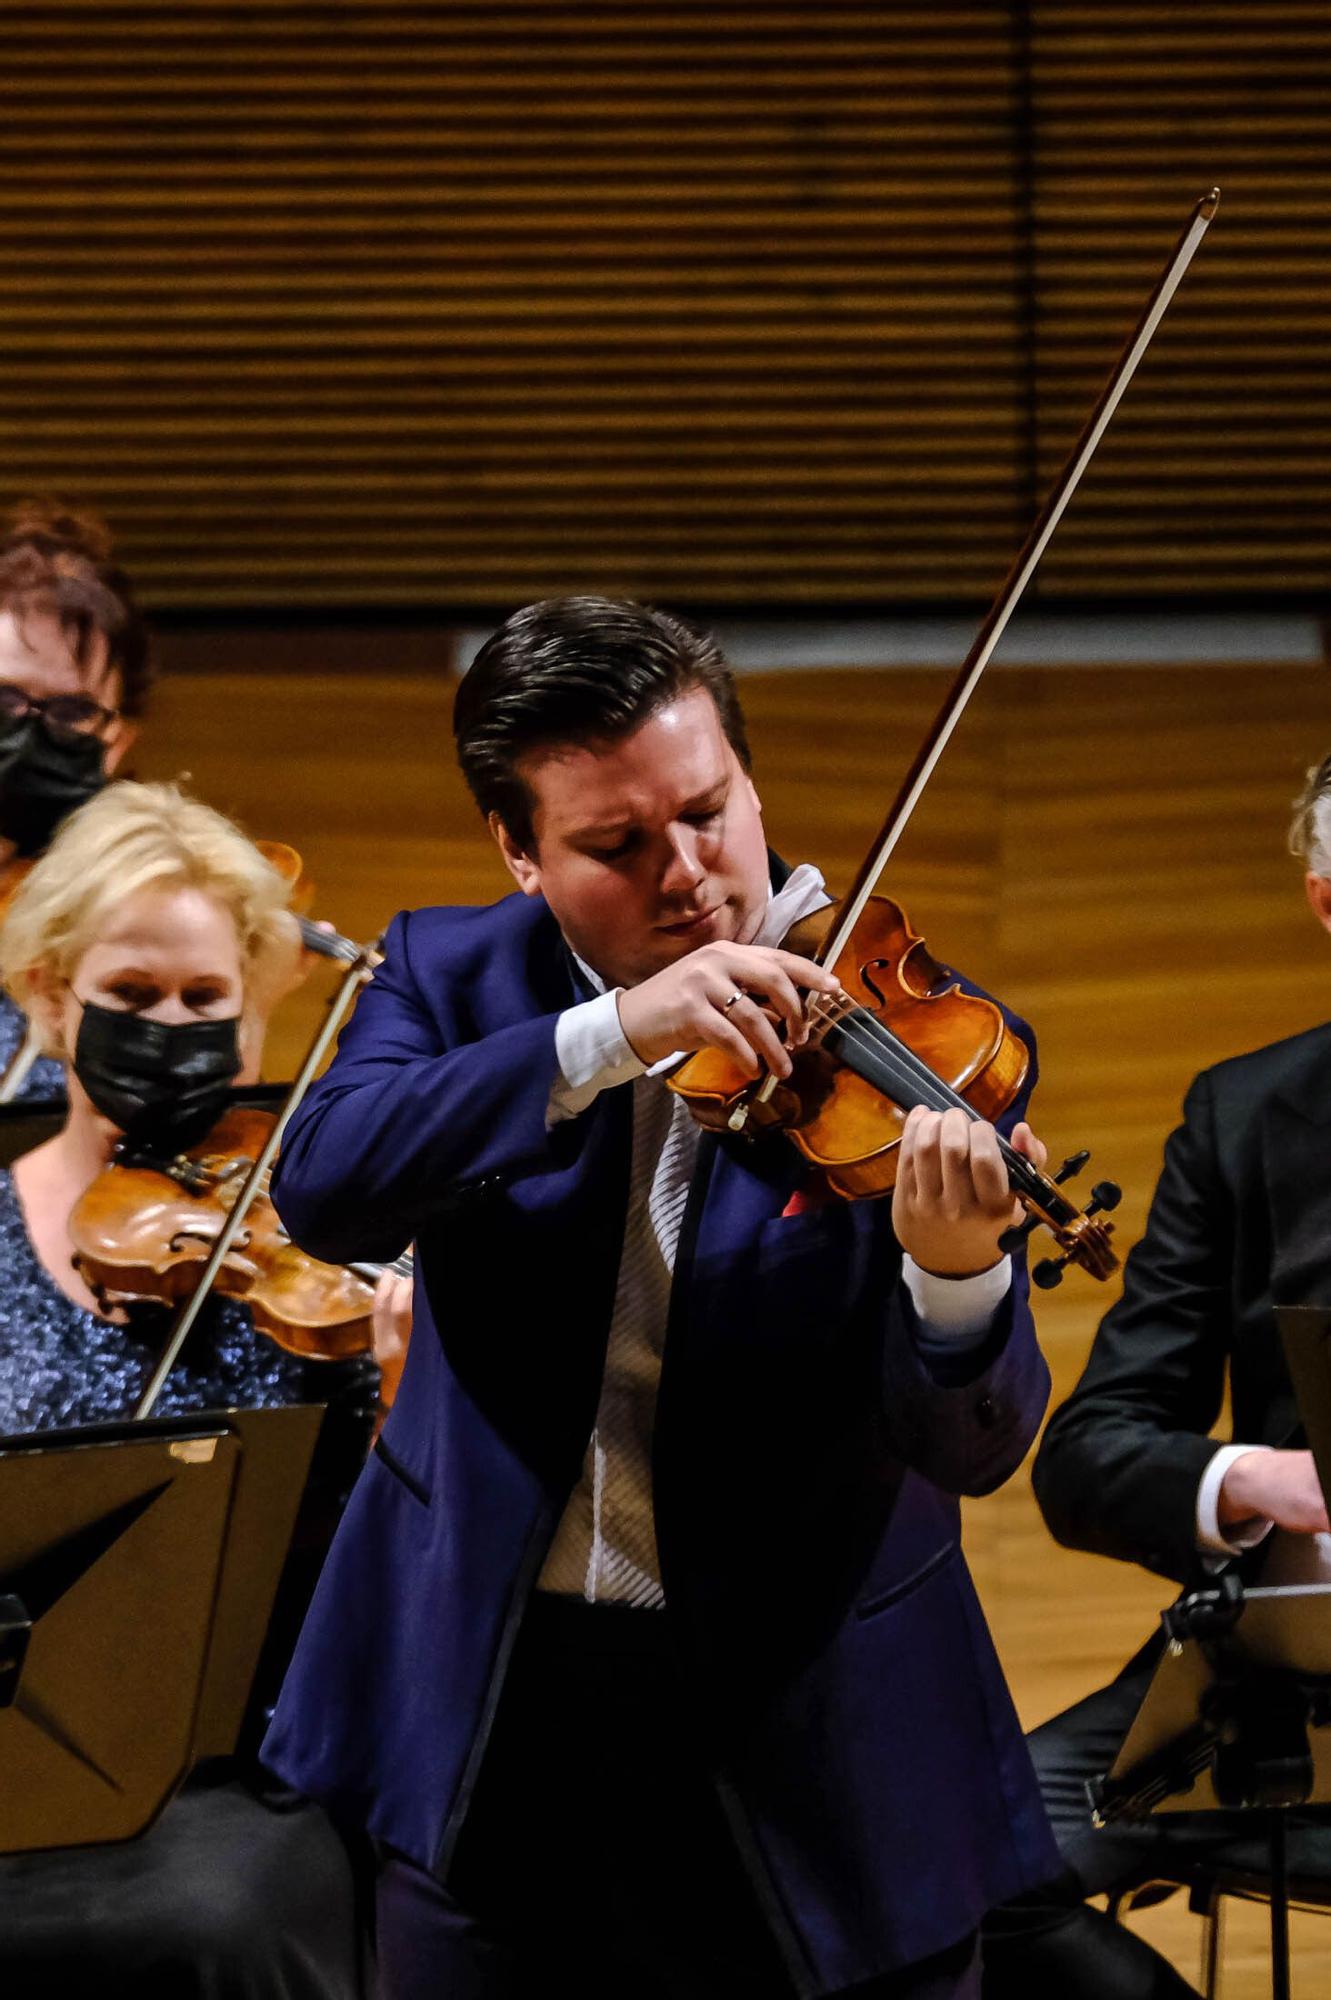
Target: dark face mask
{"type": "Point", "coordinates": [163, 1084]}
{"type": "Point", "coordinates": [42, 779]}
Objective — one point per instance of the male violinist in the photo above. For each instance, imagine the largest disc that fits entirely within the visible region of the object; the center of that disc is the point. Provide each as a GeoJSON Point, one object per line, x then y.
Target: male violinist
{"type": "Point", "coordinates": [1240, 1222]}
{"type": "Point", "coordinates": [646, 1650]}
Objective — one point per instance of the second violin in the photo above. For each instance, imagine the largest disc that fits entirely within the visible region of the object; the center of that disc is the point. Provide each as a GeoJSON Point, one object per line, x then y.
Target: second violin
{"type": "Point", "coordinates": [145, 1228]}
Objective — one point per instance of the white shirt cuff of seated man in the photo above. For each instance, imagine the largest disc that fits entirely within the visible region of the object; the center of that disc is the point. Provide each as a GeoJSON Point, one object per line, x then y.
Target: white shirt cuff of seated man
{"type": "Point", "coordinates": [957, 1309]}
{"type": "Point", "coordinates": [1212, 1539]}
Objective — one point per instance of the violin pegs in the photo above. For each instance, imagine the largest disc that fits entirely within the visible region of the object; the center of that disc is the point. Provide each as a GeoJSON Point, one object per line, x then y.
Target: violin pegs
{"type": "Point", "coordinates": [1049, 1272]}
{"type": "Point", "coordinates": [1013, 1238]}
{"type": "Point", "coordinates": [1071, 1167]}
{"type": "Point", "coordinates": [1104, 1195]}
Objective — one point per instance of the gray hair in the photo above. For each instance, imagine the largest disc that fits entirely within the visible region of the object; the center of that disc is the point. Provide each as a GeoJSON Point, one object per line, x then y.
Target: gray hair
{"type": "Point", "coordinates": [1310, 829]}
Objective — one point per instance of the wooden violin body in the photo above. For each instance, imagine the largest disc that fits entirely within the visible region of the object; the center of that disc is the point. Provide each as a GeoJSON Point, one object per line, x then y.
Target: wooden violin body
{"type": "Point", "coordinates": [902, 1033]}
{"type": "Point", "coordinates": [145, 1232]}
{"type": "Point", "coordinates": [839, 1119]}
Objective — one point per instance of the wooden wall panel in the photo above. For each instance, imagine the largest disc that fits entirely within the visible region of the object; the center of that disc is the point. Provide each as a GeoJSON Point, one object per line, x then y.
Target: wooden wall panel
{"type": "Point", "coordinates": [1213, 477]}
{"type": "Point", "coordinates": [1105, 849]}
{"type": "Point", "coordinates": [391, 304]}
{"type": "Point", "coordinates": [366, 302]}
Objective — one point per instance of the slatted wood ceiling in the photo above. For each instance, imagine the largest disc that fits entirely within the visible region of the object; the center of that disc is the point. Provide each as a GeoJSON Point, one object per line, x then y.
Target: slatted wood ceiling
{"type": "Point", "coordinates": [447, 305]}
{"type": "Point", "coordinates": [1214, 477]}
{"type": "Point", "coordinates": [451, 304]}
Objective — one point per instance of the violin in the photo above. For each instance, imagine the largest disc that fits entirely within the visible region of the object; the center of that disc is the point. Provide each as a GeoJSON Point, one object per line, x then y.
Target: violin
{"type": "Point", "coordinates": [315, 937]}
{"type": "Point", "coordinates": [145, 1227]}
{"type": "Point", "coordinates": [901, 1032]}
{"type": "Point", "coordinates": [246, 1183]}
{"type": "Point", "coordinates": [173, 1229]}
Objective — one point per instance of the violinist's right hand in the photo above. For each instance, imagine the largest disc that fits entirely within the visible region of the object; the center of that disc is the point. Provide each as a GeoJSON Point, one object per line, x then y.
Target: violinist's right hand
{"type": "Point", "coordinates": [723, 996]}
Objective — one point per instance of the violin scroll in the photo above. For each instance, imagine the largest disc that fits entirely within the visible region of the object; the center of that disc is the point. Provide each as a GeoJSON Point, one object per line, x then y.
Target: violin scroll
{"type": "Point", "coordinates": [1083, 1240]}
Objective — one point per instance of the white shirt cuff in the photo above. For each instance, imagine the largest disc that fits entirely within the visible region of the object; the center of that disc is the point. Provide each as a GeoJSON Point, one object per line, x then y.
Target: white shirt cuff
{"type": "Point", "coordinates": [1212, 1539]}
{"type": "Point", "coordinates": [959, 1309]}
{"type": "Point", "coordinates": [593, 1054]}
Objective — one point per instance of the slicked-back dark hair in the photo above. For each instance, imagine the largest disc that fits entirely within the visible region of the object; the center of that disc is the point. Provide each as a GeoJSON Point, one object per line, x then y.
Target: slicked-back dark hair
{"type": "Point", "coordinates": [576, 670]}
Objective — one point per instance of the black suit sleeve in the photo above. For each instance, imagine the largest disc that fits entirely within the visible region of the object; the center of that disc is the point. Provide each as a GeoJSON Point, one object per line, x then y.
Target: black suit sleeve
{"type": "Point", "coordinates": [1121, 1461]}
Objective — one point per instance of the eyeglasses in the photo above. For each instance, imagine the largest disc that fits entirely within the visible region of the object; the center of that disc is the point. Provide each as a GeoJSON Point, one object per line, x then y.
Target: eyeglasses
{"type": "Point", "coordinates": [61, 714]}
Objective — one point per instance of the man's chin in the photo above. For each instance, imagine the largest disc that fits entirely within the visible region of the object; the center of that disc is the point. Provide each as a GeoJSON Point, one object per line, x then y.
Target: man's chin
{"type": "Point", "coordinates": [667, 945]}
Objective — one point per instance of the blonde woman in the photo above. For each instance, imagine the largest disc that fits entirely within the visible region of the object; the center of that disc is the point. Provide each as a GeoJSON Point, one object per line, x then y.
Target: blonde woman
{"type": "Point", "coordinates": [147, 944]}
{"type": "Point", "coordinates": [141, 946]}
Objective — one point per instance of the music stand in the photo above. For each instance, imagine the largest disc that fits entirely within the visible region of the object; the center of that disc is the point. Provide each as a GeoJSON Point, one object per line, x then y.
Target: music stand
{"type": "Point", "coordinates": [1238, 1712]}
{"type": "Point", "coordinates": [138, 1565]}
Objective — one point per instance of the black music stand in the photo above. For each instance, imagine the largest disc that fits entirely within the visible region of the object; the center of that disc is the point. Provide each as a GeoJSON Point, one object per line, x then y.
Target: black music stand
{"type": "Point", "coordinates": [1238, 1712]}
{"type": "Point", "coordinates": [138, 1565]}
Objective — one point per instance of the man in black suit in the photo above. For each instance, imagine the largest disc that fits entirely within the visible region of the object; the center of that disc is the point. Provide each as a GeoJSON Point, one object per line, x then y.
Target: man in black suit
{"type": "Point", "coordinates": [1240, 1223]}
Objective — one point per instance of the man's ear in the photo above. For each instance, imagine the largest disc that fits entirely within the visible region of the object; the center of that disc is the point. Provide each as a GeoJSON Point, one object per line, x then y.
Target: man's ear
{"type": "Point", "coordinates": [525, 871]}
{"type": "Point", "coordinates": [1319, 898]}
{"type": "Point", "coordinates": [117, 743]}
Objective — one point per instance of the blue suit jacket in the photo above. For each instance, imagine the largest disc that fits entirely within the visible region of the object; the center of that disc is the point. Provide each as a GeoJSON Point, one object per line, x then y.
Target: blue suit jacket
{"type": "Point", "coordinates": [806, 1465]}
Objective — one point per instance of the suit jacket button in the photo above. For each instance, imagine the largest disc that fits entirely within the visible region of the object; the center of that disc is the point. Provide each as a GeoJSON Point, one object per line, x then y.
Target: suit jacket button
{"type": "Point", "coordinates": [985, 1413]}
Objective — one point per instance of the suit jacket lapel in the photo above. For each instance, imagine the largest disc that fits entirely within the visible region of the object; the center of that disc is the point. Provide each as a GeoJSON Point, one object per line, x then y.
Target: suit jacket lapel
{"type": "Point", "coordinates": [1296, 1157]}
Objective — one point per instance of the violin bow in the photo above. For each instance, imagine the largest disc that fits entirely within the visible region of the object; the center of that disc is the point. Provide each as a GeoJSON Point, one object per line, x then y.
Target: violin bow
{"type": "Point", "coordinates": [359, 968]}
{"type": "Point", "coordinates": [20, 1065]}
{"type": "Point", "coordinates": [1015, 582]}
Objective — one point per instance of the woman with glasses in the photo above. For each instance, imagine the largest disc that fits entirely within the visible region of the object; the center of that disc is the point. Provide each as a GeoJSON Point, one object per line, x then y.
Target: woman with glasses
{"type": "Point", "coordinates": [74, 678]}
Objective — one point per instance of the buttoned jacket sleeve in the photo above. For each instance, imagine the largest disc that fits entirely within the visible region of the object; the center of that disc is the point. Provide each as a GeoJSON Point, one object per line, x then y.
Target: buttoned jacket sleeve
{"type": "Point", "coordinates": [417, 1110]}
{"type": "Point", "coordinates": [1120, 1466]}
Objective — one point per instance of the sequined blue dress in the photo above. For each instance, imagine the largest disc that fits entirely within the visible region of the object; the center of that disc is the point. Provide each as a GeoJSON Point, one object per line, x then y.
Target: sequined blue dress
{"type": "Point", "coordinates": [46, 1078]}
{"type": "Point", "coordinates": [233, 1890]}
{"type": "Point", "coordinates": [60, 1364]}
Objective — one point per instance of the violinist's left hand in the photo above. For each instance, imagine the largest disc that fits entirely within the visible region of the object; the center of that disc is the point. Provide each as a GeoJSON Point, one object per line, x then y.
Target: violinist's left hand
{"type": "Point", "coordinates": [952, 1200]}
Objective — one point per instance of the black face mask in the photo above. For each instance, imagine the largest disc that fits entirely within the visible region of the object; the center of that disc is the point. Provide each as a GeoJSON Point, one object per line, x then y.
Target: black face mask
{"type": "Point", "coordinates": [42, 779]}
{"type": "Point", "coordinates": [162, 1083]}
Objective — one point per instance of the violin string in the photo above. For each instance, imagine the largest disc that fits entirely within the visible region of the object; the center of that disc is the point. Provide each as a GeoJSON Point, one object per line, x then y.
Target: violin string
{"type": "Point", "coordinates": [928, 1081]}
{"type": "Point", "coordinates": [1024, 1177]}
{"type": "Point", "coordinates": [901, 1069]}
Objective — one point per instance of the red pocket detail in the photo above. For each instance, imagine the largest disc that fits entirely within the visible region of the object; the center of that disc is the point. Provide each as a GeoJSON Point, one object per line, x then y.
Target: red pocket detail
{"type": "Point", "coordinates": [816, 1194]}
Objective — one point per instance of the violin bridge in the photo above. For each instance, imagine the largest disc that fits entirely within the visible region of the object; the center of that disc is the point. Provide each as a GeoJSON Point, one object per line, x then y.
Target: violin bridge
{"type": "Point", "coordinates": [823, 1012]}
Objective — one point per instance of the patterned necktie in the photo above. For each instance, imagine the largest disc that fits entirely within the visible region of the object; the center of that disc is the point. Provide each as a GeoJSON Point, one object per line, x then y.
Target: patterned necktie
{"type": "Point", "coordinates": [606, 1545]}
